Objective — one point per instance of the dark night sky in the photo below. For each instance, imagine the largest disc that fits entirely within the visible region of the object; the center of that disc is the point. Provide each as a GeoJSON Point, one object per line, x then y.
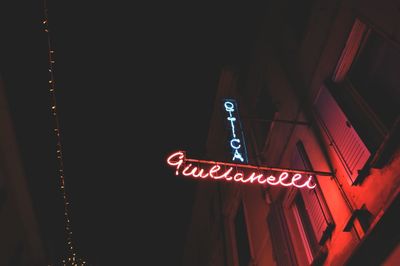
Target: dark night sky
{"type": "Point", "coordinates": [133, 84]}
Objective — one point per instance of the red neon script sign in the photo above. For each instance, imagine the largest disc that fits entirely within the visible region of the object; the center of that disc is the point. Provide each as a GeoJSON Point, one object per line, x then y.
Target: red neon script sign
{"type": "Point", "coordinates": [229, 172]}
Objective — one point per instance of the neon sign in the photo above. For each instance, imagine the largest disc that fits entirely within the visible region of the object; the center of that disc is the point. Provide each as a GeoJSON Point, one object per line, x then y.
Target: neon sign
{"type": "Point", "coordinates": [236, 141]}
{"type": "Point", "coordinates": [230, 172]}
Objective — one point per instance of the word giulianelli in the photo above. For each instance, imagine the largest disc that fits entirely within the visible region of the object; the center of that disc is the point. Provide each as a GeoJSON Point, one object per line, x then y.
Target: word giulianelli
{"type": "Point", "coordinates": [231, 172]}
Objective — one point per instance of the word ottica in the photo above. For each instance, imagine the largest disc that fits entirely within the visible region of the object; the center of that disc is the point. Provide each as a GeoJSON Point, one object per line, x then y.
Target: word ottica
{"type": "Point", "coordinates": [235, 141]}
{"type": "Point", "coordinates": [219, 171]}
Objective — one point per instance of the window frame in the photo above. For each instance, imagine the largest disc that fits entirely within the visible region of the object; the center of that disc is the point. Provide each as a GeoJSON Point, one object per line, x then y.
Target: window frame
{"type": "Point", "coordinates": [317, 253]}
{"type": "Point", "coordinates": [378, 137]}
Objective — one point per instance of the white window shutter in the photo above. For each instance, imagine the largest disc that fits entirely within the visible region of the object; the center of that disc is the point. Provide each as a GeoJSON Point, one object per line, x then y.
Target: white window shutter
{"type": "Point", "coordinates": [349, 147]}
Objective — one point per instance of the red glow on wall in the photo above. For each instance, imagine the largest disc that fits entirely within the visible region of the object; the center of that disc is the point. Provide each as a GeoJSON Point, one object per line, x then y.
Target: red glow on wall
{"type": "Point", "coordinates": [232, 172]}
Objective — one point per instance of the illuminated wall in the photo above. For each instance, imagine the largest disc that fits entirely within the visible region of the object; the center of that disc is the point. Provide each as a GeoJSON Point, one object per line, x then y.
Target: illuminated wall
{"type": "Point", "coordinates": [305, 84]}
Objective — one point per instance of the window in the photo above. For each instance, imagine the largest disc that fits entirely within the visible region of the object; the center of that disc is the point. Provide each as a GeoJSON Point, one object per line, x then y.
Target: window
{"type": "Point", "coordinates": [358, 108]}
{"type": "Point", "coordinates": [300, 223]}
{"type": "Point", "coordinates": [370, 64]}
{"type": "Point", "coordinates": [280, 238]}
{"type": "Point", "coordinates": [375, 76]}
{"type": "Point", "coordinates": [349, 147]}
{"type": "Point", "coordinates": [242, 240]}
{"type": "Point", "coordinates": [303, 222]}
{"type": "Point", "coordinates": [312, 219]}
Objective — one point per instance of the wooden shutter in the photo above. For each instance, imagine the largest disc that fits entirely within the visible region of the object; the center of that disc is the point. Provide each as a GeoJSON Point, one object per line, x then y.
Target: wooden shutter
{"type": "Point", "coordinates": [318, 220]}
{"type": "Point", "coordinates": [349, 147]}
{"type": "Point", "coordinates": [353, 43]}
{"type": "Point", "coordinates": [318, 212]}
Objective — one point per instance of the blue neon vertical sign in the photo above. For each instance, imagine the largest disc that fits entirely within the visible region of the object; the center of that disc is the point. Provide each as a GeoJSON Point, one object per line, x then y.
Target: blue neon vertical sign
{"type": "Point", "coordinates": [237, 144]}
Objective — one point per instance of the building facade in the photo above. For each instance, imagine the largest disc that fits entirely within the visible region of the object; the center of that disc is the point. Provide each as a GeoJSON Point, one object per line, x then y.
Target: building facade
{"type": "Point", "coordinates": [320, 92]}
{"type": "Point", "coordinates": [20, 242]}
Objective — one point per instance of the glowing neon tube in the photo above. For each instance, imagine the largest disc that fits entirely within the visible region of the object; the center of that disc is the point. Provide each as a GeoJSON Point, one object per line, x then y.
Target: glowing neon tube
{"type": "Point", "coordinates": [229, 172]}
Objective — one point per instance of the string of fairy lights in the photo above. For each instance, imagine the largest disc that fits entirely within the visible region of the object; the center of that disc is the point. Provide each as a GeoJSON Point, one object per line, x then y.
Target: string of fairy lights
{"type": "Point", "coordinates": [72, 257]}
